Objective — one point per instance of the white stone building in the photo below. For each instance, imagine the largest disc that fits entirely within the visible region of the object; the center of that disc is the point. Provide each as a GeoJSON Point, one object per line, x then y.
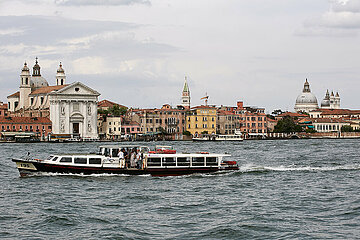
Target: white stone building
{"type": "Point", "coordinates": [72, 108]}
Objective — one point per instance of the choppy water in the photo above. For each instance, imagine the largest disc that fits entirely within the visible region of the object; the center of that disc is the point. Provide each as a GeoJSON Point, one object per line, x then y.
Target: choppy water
{"type": "Point", "coordinates": [296, 189]}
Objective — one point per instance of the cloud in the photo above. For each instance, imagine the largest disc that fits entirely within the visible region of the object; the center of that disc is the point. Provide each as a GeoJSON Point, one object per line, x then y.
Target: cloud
{"type": "Point", "coordinates": [101, 2]}
{"type": "Point", "coordinates": [341, 20]}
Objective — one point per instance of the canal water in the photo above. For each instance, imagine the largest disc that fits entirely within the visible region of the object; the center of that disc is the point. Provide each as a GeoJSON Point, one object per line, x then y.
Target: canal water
{"type": "Point", "coordinates": [285, 189]}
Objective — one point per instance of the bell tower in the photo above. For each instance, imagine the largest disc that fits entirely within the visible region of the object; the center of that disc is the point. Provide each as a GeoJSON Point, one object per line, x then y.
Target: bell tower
{"type": "Point", "coordinates": [185, 98]}
{"type": "Point", "coordinates": [60, 76]}
{"type": "Point", "coordinates": [25, 88]}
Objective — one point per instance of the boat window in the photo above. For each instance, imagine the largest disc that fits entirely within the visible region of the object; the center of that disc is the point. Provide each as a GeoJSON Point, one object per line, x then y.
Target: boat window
{"type": "Point", "coordinates": [198, 161]}
{"type": "Point", "coordinates": [183, 161]}
{"type": "Point", "coordinates": [66, 159]}
{"type": "Point", "coordinates": [169, 161]}
{"type": "Point", "coordinates": [107, 152]}
{"type": "Point", "coordinates": [55, 158]}
{"type": "Point", "coordinates": [153, 162]}
{"type": "Point", "coordinates": [49, 158]}
{"type": "Point", "coordinates": [211, 161]}
{"type": "Point", "coordinates": [80, 160]}
{"type": "Point", "coordinates": [115, 152]}
{"type": "Point", "coordinates": [94, 160]}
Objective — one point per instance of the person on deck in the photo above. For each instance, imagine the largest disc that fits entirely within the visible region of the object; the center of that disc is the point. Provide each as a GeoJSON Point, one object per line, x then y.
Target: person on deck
{"type": "Point", "coordinates": [133, 158]}
{"type": "Point", "coordinates": [121, 156]}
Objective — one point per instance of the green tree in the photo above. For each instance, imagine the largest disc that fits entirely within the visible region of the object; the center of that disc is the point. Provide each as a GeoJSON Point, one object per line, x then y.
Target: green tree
{"type": "Point", "coordinates": [187, 133]}
{"type": "Point", "coordinates": [117, 111]}
{"type": "Point", "coordinates": [347, 128]}
{"type": "Point", "coordinates": [287, 125]}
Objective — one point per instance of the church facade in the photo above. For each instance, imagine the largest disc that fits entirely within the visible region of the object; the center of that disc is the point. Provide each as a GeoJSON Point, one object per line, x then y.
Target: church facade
{"type": "Point", "coordinates": [72, 108]}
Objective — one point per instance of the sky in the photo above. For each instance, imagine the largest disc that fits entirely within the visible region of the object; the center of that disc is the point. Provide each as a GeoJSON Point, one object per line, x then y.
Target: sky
{"type": "Point", "coordinates": [138, 52]}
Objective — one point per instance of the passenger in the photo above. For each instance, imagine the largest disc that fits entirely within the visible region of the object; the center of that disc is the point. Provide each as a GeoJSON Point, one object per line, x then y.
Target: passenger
{"type": "Point", "coordinates": [133, 159]}
{"type": "Point", "coordinates": [139, 159]}
{"type": "Point", "coordinates": [121, 156]}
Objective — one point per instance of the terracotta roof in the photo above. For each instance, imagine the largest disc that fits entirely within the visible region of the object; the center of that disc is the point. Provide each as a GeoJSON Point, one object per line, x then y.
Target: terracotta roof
{"type": "Point", "coordinates": [202, 106]}
{"type": "Point", "coordinates": [223, 112]}
{"type": "Point", "coordinates": [291, 114]}
{"type": "Point", "coordinates": [3, 105]}
{"type": "Point", "coordinates": [131, 123]}
{"type": "Point", "coordinates": [28, 120]}
{"type": "Point", "coordinates": [47, 89]}
{"type": "Point", "coordinates": [337, 111]}
{"type": "Point", "coordinates": [17, 94]}
{"type": "Point", "coordinates": [107, 103]}
{"type": "Point", "coordinates": [271, 120]}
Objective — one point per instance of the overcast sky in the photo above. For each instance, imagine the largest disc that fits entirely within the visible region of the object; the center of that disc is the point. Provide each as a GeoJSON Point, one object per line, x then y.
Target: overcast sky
{"type": "Point", "coordinates": [137, 52]}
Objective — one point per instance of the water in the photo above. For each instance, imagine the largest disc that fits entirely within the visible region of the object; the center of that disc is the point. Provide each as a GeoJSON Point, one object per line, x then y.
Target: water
{"type": "Point", "coordinates": [296, 189]}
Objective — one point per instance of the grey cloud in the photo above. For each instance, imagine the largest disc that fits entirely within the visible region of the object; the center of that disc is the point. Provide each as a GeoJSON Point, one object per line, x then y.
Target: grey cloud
{"type": "Point", "coordinates": [101, 2]}
{"type": "Point", "coordinates": [47, 30]}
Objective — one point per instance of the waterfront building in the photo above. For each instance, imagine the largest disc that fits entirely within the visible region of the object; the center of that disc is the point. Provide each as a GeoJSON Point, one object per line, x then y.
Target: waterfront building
{"type": "Point", "coordinates": [250, 121]}
{"type": "Point", "coordinates": [201, 119]}
{"type": "Point", "coordinates": [185, 97]}
{"type": "Point", "coordinates": [72, 108]}
{"type": "Point", "coordinates": [110, 128]}
{"type": "Point", "coordinates": [306, 101]}
{"type": "Point", "coordinates": [130, 129]}
{"type": "Point", "coordinates": [3, 109]}
{"type": "Point", "coordinates": [25, 127]}
{"type": "Point", "coordinates": [106, 105]}
{"type": "Point", "coordinates": [332, 124]}
{"type": "Point", "coordinates": [166, 120]}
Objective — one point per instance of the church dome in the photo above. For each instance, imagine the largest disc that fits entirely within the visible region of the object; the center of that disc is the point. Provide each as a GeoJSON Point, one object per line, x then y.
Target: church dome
{"type": "Point", "coordinates": [38, 82]}
{"type": "Point", "coordinates": [306, 101]}
{"type": "Point", "coordinates": [325, 103]}
{"type": "Point", "coordinates": [306, 98]}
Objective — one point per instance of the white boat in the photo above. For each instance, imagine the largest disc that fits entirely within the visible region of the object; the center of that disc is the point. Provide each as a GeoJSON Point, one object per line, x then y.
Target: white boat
{"type": "Point", "coordinates": [218, 137]}
{"type": "Point", "coordinates": [156, 163]}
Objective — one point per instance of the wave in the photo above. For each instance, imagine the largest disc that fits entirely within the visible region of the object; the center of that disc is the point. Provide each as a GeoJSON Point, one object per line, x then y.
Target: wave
{"type": "Point", "coordinates": [85, 175]}
{"type": "Point", "coordinates": [252, 168]}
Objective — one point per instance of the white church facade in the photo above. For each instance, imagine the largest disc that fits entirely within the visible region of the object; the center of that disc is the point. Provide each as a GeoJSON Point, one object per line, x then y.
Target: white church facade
{"type": "Point", "coordinates": [72, 108]}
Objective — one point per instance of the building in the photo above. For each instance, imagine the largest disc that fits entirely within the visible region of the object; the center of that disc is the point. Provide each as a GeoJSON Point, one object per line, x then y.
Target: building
{"type": "Point", "coordinates": [3, 109]}
{"type": "Point", "coordinates": [292, 115]}
{"type": "Point", "coordinates": [306, 101]}
{"type": "Point", "coordinates": [166, 120]}
{"type": "Point", "coordinates": [185, 97]}
{"type": "Point", "coordinates": [332, 124]}
{"type": "Point", "coordinates": [106, 105]}
{"type": "Point", "coordinates": [111, 128]}
{"type": "Point", "coordinates": [335, 113]}
{"type": "Point", "coordinates": [201, 119]}
{"type": "Point", "coordinates": [72, 108]}
{"type": "Point", "coordinates": [331, 101]}
{"type": "Point", "coordinates": [25, 127]}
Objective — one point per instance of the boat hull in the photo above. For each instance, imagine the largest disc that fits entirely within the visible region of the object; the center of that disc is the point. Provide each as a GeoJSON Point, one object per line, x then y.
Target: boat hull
{"type": "Point", "coordinates": [26, 168]}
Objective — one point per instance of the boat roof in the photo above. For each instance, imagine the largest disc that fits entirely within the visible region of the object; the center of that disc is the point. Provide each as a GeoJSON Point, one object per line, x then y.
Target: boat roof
{"type": "Point", "coordinates": [120, 146]}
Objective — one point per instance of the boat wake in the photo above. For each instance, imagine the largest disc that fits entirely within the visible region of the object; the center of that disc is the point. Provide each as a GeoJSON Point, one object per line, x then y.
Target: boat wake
{"type": "Point", "coordinates": [47, 174]}
{"type": "Point", "coordinates": [253, 168]}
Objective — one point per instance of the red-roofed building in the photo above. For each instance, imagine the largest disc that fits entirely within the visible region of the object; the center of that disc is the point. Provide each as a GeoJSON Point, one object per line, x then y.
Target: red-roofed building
{"type": "Point", "coordinates": [41, 126]}
{"type": "Point", "coordinates": [291, 114]}
{"type": "Point", "coordinates": [335, 113]}
{"type": "Point", "coordinates": [106, 104]}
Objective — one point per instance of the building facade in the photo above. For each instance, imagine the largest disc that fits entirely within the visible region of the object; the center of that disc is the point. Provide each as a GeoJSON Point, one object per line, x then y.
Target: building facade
{"type": "Point", "coordinates": [72, 108]}
{"type": "Point", "coordinates": [201, 119]}
{"type": "Point", "coordinates": [3, 109]}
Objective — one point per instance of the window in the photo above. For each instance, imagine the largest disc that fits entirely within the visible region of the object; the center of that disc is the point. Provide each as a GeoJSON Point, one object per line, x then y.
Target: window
{"type": "Point", "coordinates": [198, 161]}
{"type": "Point", "coordinates": [211, 161]}
{"type": "Point", "coordinates": [80, 160]}
{"type": "Point", "coordinates": [55, 158]}
{"type": "Point", "coordinates": [66, 159]}
{"type": "Point", "coordinates": [154, 162]}
{"type": "Point", "coordinates": [42, 100]}
{"type": "Point", "coordinates": [169, 161]}
{"type": "Point", "coordinates": [32, 101]}
{"type": "Point", "coordinates": [183, 161]}
{"type": "Point", "coordinates": [94, 160]}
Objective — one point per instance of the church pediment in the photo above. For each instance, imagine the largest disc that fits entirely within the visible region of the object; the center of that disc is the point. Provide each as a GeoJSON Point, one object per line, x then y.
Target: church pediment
{"type": "Point", "coordinates": [77, 88]}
